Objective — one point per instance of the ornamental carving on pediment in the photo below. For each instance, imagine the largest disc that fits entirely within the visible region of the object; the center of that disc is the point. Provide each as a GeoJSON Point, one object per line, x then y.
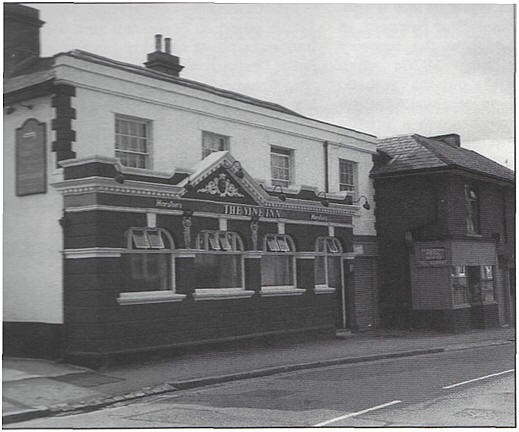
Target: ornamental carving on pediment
{"type": "Point", "coordinates": [221, 186]}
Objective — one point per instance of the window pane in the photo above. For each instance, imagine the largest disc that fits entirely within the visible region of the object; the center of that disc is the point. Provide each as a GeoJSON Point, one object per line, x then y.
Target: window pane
{"type": "Point", "coordinates": [145, 272]}
{"type": "Point", "coordinates": [283, 244]}
{"type": "Point", "coordinates": [218, 271]}
{"type": "Point", "coordinates": [277, 270]}
{"type": "Point", "coordinates": [214, 244]}
{"type": "Point", "coordinates": [332, 247]}
{"type": "Point", "coordinates": [155, 239]}
{"type": "Point", "coordinates": [140, 240]}
{"type": "Point", "coordinates": [320, 274]}
{"type": "Point", "coordinates": [334, 271]}
{"type": "Point", "coordinates": [272, 244]}
{"type": "Point", "coordinates": [224, 242]}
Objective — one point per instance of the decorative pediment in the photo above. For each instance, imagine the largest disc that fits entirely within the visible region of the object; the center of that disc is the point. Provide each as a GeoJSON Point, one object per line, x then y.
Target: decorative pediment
{"type": "Point", "coordinates": [219, 177]}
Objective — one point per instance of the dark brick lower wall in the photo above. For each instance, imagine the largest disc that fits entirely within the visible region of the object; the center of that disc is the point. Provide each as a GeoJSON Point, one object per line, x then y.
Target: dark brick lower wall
{"type": "Point", "coordinates": [485, 316]}
{"type": "Point", "coordinates": [32, 339]}
{"type": "Point", "coordinates": [452, 320]}
{"type": "Point", "coordinates": [456, 320]}
{"type": "Point", "coordinates": [97, 326]}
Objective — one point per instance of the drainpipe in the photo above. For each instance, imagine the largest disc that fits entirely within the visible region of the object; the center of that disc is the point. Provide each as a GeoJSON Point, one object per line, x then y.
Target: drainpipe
{"type": "Point", "coordinates": [325, 148]}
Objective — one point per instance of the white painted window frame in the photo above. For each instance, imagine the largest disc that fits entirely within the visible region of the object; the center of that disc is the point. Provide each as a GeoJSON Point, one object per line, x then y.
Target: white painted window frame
{"type": "Point", "coordinates": [274, 290]}
{"type": "Point", "coordinates": [323, 251]}
{"type": "Point", "coordinates": [203, 246]}
{"type": "Point", "coordinates": [208, 136]}
{"type": "Point", "coordinates": [289, 154]}
{"type": "Point", "coordinates": [141, 297]}
{"type": "Point", "coordinates": [148, 155]}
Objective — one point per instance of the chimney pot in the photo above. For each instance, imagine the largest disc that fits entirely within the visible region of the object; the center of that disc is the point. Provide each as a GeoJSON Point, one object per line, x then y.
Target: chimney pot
{"type": "Point", "coordinates": [167, 41]}
{"type": "Point", "coordinates": [158, 42]}
{"type": "Point", "coordinates": [451, 139]}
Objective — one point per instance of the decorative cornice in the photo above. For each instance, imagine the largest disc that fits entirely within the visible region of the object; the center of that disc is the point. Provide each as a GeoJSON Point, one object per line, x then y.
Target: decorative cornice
{"type": "Point", "coordinates": [121, 168]}
{"type": "Point", "coordinates": [107, 185]}
{"type": "Point", "coordinates": [97, 184]}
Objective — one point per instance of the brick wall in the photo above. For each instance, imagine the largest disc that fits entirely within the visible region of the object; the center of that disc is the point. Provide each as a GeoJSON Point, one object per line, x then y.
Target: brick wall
{"type": "Point", "coordinates": [432, 207]}
{"type": "Point", "coordinates": [97, 325]}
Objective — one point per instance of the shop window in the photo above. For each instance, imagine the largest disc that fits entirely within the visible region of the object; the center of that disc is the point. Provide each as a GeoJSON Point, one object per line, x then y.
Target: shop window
{"type": "Point", "coordinates": [459, 285]}
{"type": "Point", "coordinates": [347, 175]}
{"type": "Point", "coordinates": [472, 205]}
{"type": "Point", "coordinates": [212, 142]}
{"type": "Point", "coordinates": [278, 261]}
{"type": "Point", "coordinates": [327, 262]}
{"type": "Point", "coordinates": [219, 262]}
{"type": "Point", "coordinates": [133, 141]}
{"type": "Point", "coordinates": [487, 284]}
{"type": "Point", "coordinates": [147, 264]}
{"type": "Point", "coordinates": [281, 164]}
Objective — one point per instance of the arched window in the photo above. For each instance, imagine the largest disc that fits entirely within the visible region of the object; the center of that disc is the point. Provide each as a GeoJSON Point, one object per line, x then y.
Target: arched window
{"type": "Point", "coordinates": [219, 263]}
{"type": "Point", "coordinates": [147, 263]}
{"type": "Point", "coordinates": [328, 262]}
{"type": "Point", "coordinates": [278, 261]}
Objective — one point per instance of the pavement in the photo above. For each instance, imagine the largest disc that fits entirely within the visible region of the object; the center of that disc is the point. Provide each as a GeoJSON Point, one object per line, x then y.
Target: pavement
{"type": "Point", "coordinates": [38, 388]}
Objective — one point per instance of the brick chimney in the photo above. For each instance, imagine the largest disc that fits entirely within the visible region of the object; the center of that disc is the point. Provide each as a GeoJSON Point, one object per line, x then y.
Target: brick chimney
{"type": "Point", "coordinates": [452, 139]}
{"type": "Point", "coordinates": [21, 35]}
{"type": "Point", "coordinates": [163, 61]}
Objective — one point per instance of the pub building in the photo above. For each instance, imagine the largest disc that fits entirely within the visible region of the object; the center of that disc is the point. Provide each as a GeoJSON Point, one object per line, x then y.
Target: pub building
{"type": "Point", "coordinates": [145, 211]}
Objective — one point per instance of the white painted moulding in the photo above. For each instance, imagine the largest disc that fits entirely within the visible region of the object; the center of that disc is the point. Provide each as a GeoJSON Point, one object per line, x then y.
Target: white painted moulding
{"type": "Point", "coordinates": [129, 298]}
{"type": "Point", "coordinates": [272, 291]}
{"type": "Point", "coordinates": [221, 293]}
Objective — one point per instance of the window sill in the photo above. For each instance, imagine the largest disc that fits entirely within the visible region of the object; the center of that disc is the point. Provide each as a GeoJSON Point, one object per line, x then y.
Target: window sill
{"type": "Point", "coordinates": [272, 291]}
{"type": "Point", "coordinates": [143, 297]}
{"type": "Point", "coordinates": [221, 293]}
{"type": "Point", "coordinates": [475, 235]}
{"type": "Point", "coordinates": [323, 289]}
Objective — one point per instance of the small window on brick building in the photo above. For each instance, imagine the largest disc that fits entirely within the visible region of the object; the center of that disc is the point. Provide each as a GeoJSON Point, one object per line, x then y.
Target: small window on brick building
{"type": "Point", "coordinates": [472, 209]}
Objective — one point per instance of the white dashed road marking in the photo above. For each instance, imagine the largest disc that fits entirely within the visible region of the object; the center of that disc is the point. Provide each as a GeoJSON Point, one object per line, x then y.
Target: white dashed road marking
{"type": "Point", "coordinates": [478, 379]}
{"type": "Point", "coordinates": [353, 414]}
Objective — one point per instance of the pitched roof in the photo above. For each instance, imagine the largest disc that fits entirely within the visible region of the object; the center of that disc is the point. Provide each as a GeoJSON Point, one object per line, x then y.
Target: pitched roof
{"type": "Point", "coordinates": [416, 152]}
{"type": "Point", "coordinates": [30, 77]}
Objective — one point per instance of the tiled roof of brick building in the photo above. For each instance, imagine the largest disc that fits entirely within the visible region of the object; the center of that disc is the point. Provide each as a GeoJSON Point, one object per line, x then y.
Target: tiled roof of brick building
{"type": "Point", "coordinates": [409, 153]}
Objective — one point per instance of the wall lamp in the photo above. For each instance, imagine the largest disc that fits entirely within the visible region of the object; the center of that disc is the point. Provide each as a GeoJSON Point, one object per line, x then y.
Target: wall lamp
{"type": "Point", "coordinates": [366, 203]}
{"type": "Point", "coordinates": [235, 167]}
{"type": "Point", "coordinates": [281, 195]}
{"type": "Point", "coordinates": [324, 201]}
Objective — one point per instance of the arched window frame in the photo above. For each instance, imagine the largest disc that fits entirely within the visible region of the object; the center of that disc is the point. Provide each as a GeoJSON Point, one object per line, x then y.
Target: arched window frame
{"type": "Point", "coordinates": [148, 240]}
{"type": "Point", "coordinates": [280, 245]}
{"type": "Point", "coordinates": [221, 243]}
{"type": "Point", "coordinates": [327, 246]}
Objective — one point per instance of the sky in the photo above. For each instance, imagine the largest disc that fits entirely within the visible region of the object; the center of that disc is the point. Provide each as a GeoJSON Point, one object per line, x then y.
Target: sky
{"type": "Point", "coordinates": [384, 69]}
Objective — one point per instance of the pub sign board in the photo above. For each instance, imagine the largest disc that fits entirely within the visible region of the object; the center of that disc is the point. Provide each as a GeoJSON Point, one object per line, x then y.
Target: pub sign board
{"type": "Point", "coordinates": [31, 158]}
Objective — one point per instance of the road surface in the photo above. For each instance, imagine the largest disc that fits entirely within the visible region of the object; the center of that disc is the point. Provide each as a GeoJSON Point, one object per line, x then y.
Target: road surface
{"type": "Point", "coordinates": [471, 387]}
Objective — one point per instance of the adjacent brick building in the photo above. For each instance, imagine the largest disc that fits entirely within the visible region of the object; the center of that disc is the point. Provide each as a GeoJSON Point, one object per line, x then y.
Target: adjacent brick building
{"type": "Point", "coordinates": [446, 235]}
